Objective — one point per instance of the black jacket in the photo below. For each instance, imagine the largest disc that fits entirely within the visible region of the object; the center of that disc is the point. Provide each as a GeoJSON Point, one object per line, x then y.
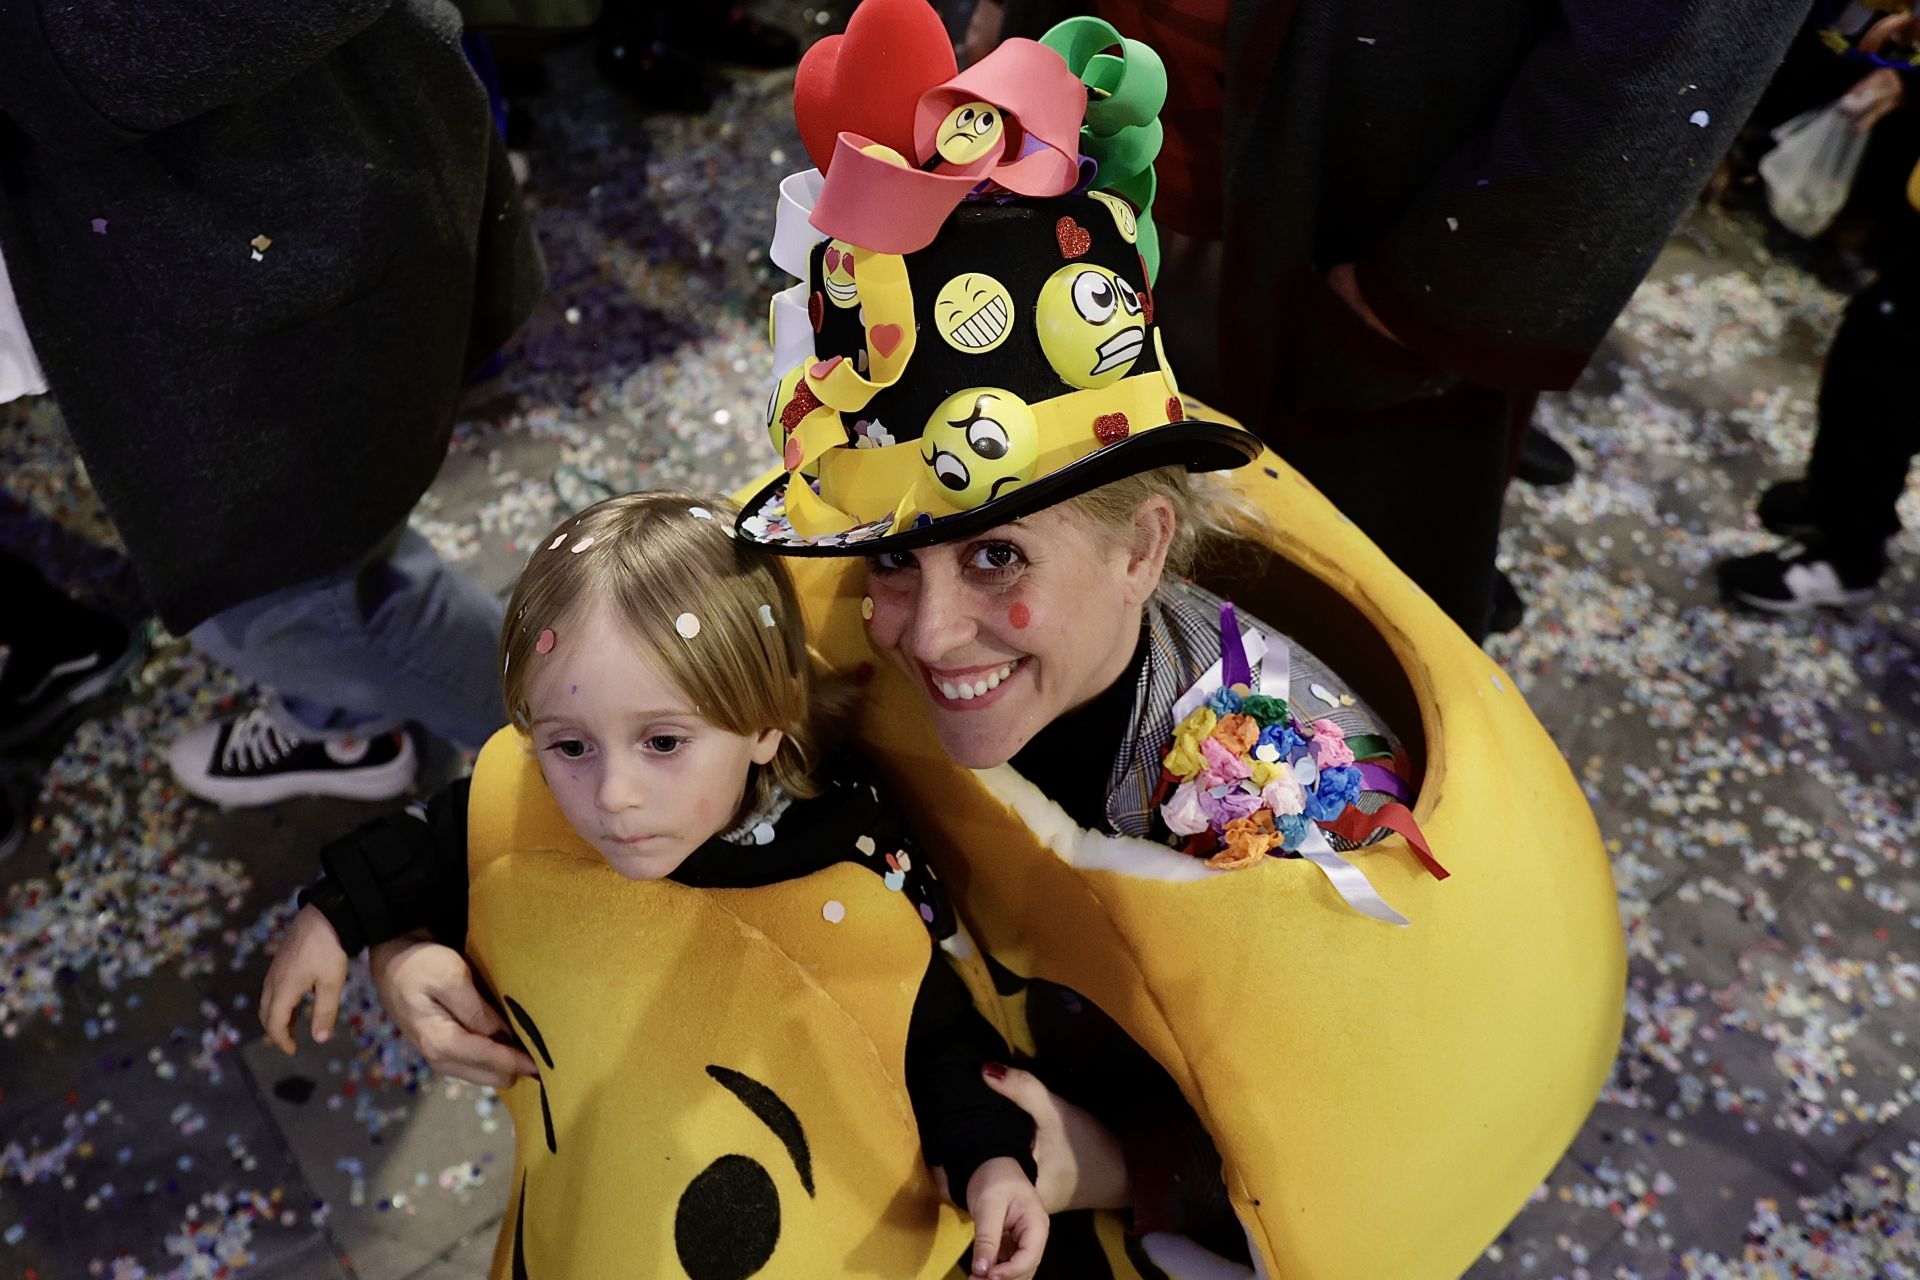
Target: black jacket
{"type": "Point", "coordinates": [258, 249]}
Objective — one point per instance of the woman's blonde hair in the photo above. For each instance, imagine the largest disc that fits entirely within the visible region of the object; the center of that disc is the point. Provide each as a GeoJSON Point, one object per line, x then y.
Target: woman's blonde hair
{"type": "Point", "coordinates": [652, 559]}
{"type": "Point", "coordinates": [1210, 515]}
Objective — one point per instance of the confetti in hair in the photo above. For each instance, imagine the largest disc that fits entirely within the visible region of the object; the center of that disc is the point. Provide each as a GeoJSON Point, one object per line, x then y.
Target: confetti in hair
{"type": "Point", "coordinates": [557, 540]}
{"type": "Point", "coordinates": [688, 625]}
{"type": "Point", "coordinates": [544, 644]}
{"type": "Point", "coordinates": [766, 616]}
{"type": "Point", "coordinates": [700, 513]}
{"type": "Point", "coordinates": [583, 544]}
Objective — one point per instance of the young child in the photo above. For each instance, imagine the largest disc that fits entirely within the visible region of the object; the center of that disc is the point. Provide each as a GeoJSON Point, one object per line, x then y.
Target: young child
{"type": "Point", "coordinates": [657, 670]}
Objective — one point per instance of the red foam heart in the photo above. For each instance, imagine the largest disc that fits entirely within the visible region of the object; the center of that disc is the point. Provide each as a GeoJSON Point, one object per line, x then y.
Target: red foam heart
{"type": "Point", "coordinates": [832, 259]}
{"type": "Point", "coordinates": [1074, 239]}
{"type": "Point", "coordinates": [791, 454]}
{"type": "Point", "coordinates": [1110, 427]}
{"type": "Point", "coordinates": [869, 80]}
{"type": "Point", "coordinates": [821, 368]}
{"type": "Point", "coordinates": [886, 338]}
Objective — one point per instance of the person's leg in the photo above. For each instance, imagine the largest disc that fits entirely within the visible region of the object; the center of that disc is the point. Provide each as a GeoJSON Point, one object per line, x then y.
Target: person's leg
{"type": "Point", "coordinates": [1425, 481]}
{"type": "Point", "coordinates": [402, 637]}
{"type": "Point", "coordinates": [1842, 514]}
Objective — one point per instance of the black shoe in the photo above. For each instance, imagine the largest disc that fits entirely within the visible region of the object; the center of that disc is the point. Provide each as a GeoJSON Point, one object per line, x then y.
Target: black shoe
{"type": "Point", "coordinates": [64, 658]}
{"type": "Point", "coordinates": [1797, 578]}
{"type": "Point", "coordinates": [1509, 610]}
{"type": "Point", "coordinates": [13, 827]}
{"type": "Point", "coordinates": [1786, 508]}
{"type": "Point", "coordinates": [249, 760]}
{"type": "Point", "coordinates": [1544, 461]}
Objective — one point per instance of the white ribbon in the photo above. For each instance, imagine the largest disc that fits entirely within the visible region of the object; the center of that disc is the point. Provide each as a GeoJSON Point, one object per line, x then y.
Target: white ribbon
{"type": "Point", "coordinates": [793, 236]}
{"type": "Point", "coordinates": [792, 330]}
{"type": "Point", "coordinates": [1347, 880]}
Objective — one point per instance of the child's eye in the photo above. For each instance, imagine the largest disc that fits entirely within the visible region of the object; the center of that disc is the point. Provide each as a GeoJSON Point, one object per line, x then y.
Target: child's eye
{"type": "Point", "coordinates": [665, 744]}
{"type": "Point", "coordinates": [570, 748]}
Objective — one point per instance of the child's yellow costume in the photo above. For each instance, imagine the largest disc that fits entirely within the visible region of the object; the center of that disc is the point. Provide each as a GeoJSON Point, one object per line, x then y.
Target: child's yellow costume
{"type": "Point", "coordinates": [720, 1089]}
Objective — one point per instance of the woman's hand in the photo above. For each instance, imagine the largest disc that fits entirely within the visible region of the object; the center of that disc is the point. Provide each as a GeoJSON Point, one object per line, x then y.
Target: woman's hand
{"type": "Point", "coordinates": [429, 991]}
{"type": "Point", "coordinates": [1009, 1221]}
{"type": "Point", "coordinates": [1080, 1164]}
{"type": "Point", "coordinates": [310, 959]}
{"type": "Point", "coordinates": [1877, 95]}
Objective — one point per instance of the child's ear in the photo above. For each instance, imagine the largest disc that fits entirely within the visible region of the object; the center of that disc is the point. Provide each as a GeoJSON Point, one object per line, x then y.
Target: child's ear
{"type": "Point", "coordinates": [767, 746]}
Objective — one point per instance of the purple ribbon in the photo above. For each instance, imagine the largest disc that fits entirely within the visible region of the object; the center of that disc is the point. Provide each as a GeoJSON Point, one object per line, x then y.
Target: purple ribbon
{"type": "Point", "coordinates": [1377, 778]}
{"type": "Point", "coordinates": [1234, 668]}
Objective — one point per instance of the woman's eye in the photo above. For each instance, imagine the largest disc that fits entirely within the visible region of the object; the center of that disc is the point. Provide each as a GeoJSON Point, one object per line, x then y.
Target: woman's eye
{"type": "Point", "coordinates": [996, 557]}
{"type": "Point", "coordinates": [889, 562]}
{"type": "Point", "coordinates": [570, 748]}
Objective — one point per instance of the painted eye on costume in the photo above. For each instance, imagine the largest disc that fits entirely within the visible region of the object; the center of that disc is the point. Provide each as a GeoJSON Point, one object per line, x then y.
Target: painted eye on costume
{"type": "Point", "coordinates": [1093, 297]}
{"type": "Point", "coordinates": [981, 441]}
{"type": "Point", "coordinates": [1128, 298]}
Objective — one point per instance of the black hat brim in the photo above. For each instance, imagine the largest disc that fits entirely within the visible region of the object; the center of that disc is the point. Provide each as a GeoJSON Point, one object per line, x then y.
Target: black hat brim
{"type": "Point", "coordinates": [1196, 445]}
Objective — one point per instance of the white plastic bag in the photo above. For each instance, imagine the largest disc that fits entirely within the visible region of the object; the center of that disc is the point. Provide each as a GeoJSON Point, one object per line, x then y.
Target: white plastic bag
{"type": "Point", "coordinates": [1809, 173]}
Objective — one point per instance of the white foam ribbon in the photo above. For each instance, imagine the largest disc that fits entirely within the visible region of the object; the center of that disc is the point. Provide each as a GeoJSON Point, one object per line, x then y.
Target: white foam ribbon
{"type": "Point", "coordinates": [793, 236]}
{"type": "Point", "coordinates": [1353, 887]}
{"type": "Point", "coordinates": [792, 329]}
{"type": "Point", "coordinates": [1209, 682]}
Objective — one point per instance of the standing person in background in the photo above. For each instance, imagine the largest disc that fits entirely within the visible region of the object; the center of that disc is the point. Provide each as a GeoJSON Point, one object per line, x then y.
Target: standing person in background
{"type": "Point", "coordinates": [1839, 516]}
{"type": "Point", "coordinates": [1428, 215]}
{"type": "Point", "coordinates": [258, 255]}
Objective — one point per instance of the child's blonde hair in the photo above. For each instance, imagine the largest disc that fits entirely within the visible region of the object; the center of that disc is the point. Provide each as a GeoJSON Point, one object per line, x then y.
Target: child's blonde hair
{"type": "Point", "coordinates": [656, 561]}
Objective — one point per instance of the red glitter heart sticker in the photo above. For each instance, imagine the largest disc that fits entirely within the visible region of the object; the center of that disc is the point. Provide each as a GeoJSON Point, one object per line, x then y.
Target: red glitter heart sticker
{"type": "Point", "coordinates": [1176, 412]}
{"type": "Point", "coordinates": [886, 338]}
{"type": "Point", "coordinates": [1146, 305]}
{"type": "Point", "coordinates": [803, 403]}
{"type": "Point", "coordinates": [1074, 239]}
{"type": "Point", "coordinates": [1109, 428]}
{"type": "Point", "coordinates": [816, 310]}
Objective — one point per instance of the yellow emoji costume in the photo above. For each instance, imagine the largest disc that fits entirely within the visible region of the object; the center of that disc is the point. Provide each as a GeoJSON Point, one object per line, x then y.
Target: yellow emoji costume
{"type": "Point", "coordinates": [1383, 1099]}
{"type": "Point", "coordinates": [720, 1091]}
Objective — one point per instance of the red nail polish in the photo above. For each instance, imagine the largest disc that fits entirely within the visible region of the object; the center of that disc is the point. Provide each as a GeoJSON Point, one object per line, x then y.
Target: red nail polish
{"type": "Point", "coordinates": [994, 1071]}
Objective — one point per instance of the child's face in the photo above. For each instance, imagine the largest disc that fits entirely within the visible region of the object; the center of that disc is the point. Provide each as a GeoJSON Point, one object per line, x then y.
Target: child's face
{"type": "Point", "coordinates": [640, 775]}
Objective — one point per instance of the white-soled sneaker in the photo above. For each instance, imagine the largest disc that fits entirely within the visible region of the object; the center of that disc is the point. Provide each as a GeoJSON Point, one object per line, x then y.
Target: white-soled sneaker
{"type": "Point", "coordinates": [249, 759]}
{"type": "Point", "coordinates": [1797, 578]}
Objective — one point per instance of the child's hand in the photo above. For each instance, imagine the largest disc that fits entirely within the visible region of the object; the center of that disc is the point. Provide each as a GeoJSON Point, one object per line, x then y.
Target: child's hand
{"type": "Point", "coordinates": [310, 959]}
{"type": "Point", "coordinates": [1009, 1222]}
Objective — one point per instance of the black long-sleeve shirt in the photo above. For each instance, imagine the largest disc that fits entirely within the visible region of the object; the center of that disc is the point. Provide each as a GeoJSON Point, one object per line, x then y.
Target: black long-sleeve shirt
{"type": "Point", "coordinates": [408, 871]}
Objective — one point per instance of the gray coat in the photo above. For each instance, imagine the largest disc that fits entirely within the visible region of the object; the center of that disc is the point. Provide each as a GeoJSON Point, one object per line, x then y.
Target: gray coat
{"type": "Point", "coordinates": [258, 249]}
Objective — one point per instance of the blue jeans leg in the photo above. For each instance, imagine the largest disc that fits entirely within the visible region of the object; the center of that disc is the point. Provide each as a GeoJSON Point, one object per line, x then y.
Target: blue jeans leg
{"type": "Point", "coordinates": [400, 637]}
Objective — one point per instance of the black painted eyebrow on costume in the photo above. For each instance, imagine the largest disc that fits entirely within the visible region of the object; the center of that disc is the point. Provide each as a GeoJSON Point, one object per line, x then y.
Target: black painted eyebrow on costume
{"type": "Point", "coordinates": [773, 1113]}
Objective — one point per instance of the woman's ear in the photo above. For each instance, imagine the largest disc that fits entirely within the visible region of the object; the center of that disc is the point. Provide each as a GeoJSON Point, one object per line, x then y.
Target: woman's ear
{"type": "Point", "coordinates": [767, 745]}
{"type": "Point", "coordinates": [1154, 524]}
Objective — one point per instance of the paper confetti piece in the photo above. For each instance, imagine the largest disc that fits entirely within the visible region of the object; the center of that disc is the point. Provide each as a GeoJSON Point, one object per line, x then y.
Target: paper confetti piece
{"type": "Point", "coordinates": [766, 616]}
{"type": "Point", "coordinates": [261, 243]}
{"type": "Point", "coordinates": [1700, 119]}
{"type": "Point", "coordinates": [544, 643]}
{"type": "Point", "coordinates": [700, 513]}
{"type": "Point", "coordinates": [99, 226]}
{"type": "Point", "coordinates": [687, 625]}
{"type": "Point", "coordinates": [866, 608]}
{"type": "Point", "coordinates": [583, 544]}
{"type": "Point", "coordinates": [557, 541]}
{"type": "Point", "coordinates": [834, 911]}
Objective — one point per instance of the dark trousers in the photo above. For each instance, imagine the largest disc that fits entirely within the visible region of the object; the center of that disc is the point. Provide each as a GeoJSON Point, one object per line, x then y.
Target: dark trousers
{"type": "Point", "coordinates": [1869, 427]}
{"type": "Point", "coordinates": [1425, 480]}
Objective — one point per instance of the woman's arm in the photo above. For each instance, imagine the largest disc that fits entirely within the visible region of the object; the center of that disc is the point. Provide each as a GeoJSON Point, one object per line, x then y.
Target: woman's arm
{"type": "Point", "coordinates": [963, 1123]}
{"type": "Point", "coordinates": [398, 873]}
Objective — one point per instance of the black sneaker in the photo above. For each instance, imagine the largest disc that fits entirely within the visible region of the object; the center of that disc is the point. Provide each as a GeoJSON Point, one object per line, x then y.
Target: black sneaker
{"type": "Point", "coordinates": [1509, 609]}
{"type": "Point", "coordinates": [1786, 508]}
{"type": "Point", "coordinates": [1544, 461]}
{"type": "Point", "coordinates": [58, 663]}
{"type": "Point", "coordinates": [1797, 578]}
{"type": "Point", "coordinates": [249, 759]}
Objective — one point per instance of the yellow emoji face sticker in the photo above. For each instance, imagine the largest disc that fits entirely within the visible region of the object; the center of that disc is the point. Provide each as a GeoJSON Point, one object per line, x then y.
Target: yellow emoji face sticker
{"type": "Point", "coordinates": [973, 312]}
{"type": "Point", "coordinates": [979, 443]}
{"type": "Point", "coordinates": [836, 268]}
{"type": "Point", "coordinates": [970, 131]}
{"type": "Point", "coordinates": [1123, 217]}
{"type": "Point", "coordinates": [1092, 325]}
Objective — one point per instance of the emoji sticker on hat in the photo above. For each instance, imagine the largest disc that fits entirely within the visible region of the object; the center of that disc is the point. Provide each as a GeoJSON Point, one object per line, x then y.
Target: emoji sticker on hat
{"type": "Point", "coordinates": [1092, 325]}
{"type": "Point", "coordinates": [979, 443]}
{"type": "Point", "coordinates": [970, 131]}
{"type": "Point", "coordinates": [1123, 217]}
{"type": "Point", "coordinates": [837, 269]}
{"type": "Point", "coordinates": [973, 312]}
